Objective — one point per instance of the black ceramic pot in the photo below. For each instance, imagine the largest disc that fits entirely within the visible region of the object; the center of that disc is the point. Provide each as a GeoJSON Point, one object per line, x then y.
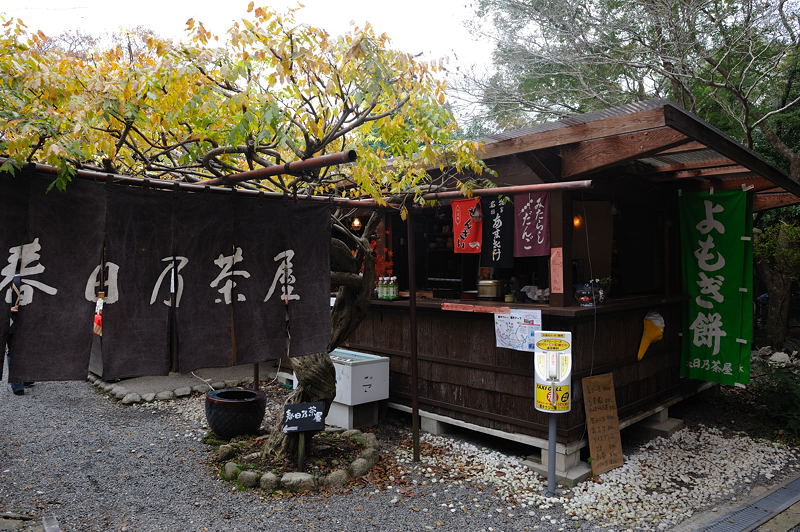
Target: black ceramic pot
{"type": "Point", "coordinates": [233, 411]}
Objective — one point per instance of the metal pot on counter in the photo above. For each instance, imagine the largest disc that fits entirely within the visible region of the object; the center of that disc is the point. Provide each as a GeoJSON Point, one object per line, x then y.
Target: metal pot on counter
{"type": "Point", "coordinates": [491, 289]}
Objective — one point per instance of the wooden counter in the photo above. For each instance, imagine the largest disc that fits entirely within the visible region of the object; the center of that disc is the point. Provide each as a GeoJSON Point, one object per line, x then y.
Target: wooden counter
{"type": "Point", "coordinates": [465, 376]}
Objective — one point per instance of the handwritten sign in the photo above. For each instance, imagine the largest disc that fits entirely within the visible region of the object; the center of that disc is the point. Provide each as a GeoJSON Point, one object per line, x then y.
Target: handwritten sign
{"type": "Point", "coordinates": [602, 423]}
{"type": "Point", "coordinates": [531, 227]}
{"type": "Point", "coordinates": [304, 417]}
{"type": "Point", "coordinates": [557, 271]}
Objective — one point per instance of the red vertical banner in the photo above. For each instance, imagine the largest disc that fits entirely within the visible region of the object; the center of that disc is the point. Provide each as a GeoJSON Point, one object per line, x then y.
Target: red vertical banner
{"type": "Point", "coordinates": [532, 225]}
{"type": "Point", "coordinates": [467, 226]}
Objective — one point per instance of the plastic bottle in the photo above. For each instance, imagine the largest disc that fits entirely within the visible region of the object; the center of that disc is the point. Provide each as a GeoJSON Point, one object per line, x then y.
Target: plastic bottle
{"type": "Point", "coordinates": [382, 288]}
{"type": "Point", "coordinates": [394, 287]}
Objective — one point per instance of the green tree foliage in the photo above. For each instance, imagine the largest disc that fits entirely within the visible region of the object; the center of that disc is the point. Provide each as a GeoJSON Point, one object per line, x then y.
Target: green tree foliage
{"type": "Point", "coordinates": [732, 62]}
{"type": "Point", "coordinates": [270, 91]}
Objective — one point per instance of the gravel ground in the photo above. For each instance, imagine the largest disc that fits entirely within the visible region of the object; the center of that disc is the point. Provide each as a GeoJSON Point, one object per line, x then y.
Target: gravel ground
{"type": "Point", "coordinates": [68, 451]}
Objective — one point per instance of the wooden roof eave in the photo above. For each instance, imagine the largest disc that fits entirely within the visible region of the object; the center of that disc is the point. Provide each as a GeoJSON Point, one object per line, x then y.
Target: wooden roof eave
{"type": "Point", "coordinates": [766, 201]}
{"type": "Point", "coordinates": [707, 134]}
{"type": "Point", "coordinates": [612, 142]}
{"type": "Point", "coordinates": [607, 127]}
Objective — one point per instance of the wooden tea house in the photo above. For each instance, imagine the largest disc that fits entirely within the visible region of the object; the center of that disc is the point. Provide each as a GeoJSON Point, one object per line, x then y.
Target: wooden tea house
{"type": "Point", "coordinates": [612, 216]}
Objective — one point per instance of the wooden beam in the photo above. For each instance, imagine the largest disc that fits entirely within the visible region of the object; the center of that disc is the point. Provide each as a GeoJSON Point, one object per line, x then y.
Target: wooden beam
{"type": "Point", "coordinates": [591, 155]}
{"type": "Point", "coordinates": [568, 134]}
{"type": "Point", "coordinates": [758, 183]}
{"type": "Point", "coordinates": [561, 238]}
{"type": "Point", "coordinates": [684, 148]}
{"type": "Point", "coordinates": [545, 164]}
{"type": "Point", "coordinates": [763, 202]}
{"type": "Point", "coordinates": [690, 166]}
{"type": "Point", "coordinates": [708, 172]}
{"type": "Point", "coordinates": [716, 140]}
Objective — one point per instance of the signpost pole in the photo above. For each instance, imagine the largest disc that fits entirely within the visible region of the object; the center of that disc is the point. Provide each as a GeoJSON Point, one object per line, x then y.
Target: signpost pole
{"type": "Point", "coordinates": [412, 318]}
{"type": "Point", "coordinates": [551, 456]}
{"type": "Point", "coordinates": [301, 450]}
{"type": "Point", "coordinates": [552, 366]}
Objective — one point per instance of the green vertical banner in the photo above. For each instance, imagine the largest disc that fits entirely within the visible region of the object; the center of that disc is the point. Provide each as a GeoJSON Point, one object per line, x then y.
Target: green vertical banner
{"type": "Point", "coordinates": [717, 252]}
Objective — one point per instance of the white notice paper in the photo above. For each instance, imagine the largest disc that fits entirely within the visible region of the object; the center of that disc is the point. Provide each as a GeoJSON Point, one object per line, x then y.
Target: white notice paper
{"type": "Point", "coordinates": [515, 329]}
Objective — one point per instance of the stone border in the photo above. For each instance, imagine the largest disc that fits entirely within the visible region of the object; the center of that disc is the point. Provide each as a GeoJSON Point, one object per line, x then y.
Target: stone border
{"type": "Point", "coordinates": [303, 482]}
{"type": "Point", "coordinates": [126, 397]}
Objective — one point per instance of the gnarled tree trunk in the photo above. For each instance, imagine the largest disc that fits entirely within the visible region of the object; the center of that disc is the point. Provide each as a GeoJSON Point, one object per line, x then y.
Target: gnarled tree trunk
{"type": "Point", "coordinates": [355, 275]}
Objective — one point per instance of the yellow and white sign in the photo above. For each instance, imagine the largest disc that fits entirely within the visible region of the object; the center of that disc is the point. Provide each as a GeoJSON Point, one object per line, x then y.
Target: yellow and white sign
{"type": "Point", "coordinates": [553, 371]}
{"type": "Point", "coordinates": [545, 402]}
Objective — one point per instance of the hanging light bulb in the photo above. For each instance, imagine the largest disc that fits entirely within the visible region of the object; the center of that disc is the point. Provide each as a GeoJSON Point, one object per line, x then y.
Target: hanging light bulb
{"type": "Point", "coordinates": [356, 225]}
{"type": "Point", "coordinates": [577, 221]}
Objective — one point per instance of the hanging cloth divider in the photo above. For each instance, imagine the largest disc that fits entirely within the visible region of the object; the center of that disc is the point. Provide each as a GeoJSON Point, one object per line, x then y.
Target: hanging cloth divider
{"type": "Point", "coordinates": [62, 249]}
{"type": "Point", "coordinates": [13, 232]}
{"type": "Point", "coordinates": [139, 271]}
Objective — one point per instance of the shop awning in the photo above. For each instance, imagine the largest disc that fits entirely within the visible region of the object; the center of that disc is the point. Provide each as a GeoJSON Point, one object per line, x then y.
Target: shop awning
{"type": "Point", "coordinates": [653, 140]}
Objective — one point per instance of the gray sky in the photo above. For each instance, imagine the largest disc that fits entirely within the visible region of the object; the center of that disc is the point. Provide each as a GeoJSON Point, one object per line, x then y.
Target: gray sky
{"type": "Point", "coordinates": [432, 27]}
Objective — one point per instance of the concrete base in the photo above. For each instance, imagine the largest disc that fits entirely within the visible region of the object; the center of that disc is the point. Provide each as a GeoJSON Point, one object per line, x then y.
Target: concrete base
{"type": "Point", "coordinates": [660, 424]}
{"type": "Point", "coordinates": [570, 470]}
{"type": "Point", "coordinates": [571, 477]}
{"type": "Point", "coordinates": [431, 425]}
{"type": "Point", "coordinates": [353, 417]}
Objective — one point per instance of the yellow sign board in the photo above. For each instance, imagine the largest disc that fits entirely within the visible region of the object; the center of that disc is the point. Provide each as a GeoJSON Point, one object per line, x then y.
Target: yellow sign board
{"type": "Point", "coordinates": [552, 344]}
{"type": "Point", "coordinates": [544, 400]}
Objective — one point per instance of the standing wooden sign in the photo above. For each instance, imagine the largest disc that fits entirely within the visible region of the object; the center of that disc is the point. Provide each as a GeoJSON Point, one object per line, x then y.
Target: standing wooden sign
{"type": "Point", "coordinates": [304, 417]}
{"type": "Point", "coordinates": [602, 423]}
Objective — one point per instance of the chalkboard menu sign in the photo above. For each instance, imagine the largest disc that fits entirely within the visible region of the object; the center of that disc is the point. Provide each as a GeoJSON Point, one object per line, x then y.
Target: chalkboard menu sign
{"type": "Point", "coordinates": [602, 422]}
{"type": "Point", "coordinates": [304, 417]}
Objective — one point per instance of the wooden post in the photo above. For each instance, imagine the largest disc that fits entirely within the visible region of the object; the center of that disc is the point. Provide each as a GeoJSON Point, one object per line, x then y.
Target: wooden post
{"type": "Point", "coordinates": [301, 450]}
{"type": "Point", "coordinates": [561, 243]}
{"type": "Point", "coordinates": [412, 320]}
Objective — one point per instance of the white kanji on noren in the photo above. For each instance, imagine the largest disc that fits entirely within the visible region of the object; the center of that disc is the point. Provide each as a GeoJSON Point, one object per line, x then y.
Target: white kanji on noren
{"type": "Point", "coordinates": [708, 224]}
{"type": "Point", "coordinates": [709, 286]}
{"type": "Point", "coordinates": [285, 276]}
{"type": "Point", "coordinates": [112, 290]}
{"type": "Point", "coordinates": [226, 262]}
{"type": "Point", "coordinates": [175, 278]}
{"type": "Point", "coordinates": [704, 256]}
{"type": "Point", "coordinates": [24, 261]}
{"type": "Point", "coordinates": [707, 329]}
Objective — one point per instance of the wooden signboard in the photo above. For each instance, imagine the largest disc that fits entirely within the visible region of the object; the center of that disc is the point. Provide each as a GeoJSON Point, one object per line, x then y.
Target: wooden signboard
{"type": "Point", "coordinates": [304, 417]}
{"type": "Point", "coordinates": [602, 422]}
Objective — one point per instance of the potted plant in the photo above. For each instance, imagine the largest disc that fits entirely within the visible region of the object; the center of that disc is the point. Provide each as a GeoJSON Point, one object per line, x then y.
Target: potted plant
{"type": "Point", "coordinates": [591, 293]}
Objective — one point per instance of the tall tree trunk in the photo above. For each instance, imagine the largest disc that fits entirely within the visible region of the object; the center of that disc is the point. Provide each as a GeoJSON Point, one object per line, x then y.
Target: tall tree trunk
{"type": "Point", "coordinates": [778, 288]}
{"type": "Point", "coordinates": [315, 373]}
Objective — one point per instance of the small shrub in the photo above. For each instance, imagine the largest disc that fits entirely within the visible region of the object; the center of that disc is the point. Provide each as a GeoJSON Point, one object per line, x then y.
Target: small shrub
{"type": "Point", "coordinates": [777, 391]}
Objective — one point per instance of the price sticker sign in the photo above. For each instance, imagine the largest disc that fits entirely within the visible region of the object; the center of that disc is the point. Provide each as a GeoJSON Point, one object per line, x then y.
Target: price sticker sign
{"type": "Point", "coordinates": [553, 371]}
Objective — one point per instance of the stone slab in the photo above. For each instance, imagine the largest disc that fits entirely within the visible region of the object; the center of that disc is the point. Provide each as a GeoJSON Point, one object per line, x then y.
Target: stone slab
{"type": "Point", "coordinates": [570, 478]}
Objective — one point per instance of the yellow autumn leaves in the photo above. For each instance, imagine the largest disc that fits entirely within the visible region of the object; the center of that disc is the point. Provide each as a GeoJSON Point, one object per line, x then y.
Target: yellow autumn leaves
{"type": "Point", "coordinates": [270, 91]}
